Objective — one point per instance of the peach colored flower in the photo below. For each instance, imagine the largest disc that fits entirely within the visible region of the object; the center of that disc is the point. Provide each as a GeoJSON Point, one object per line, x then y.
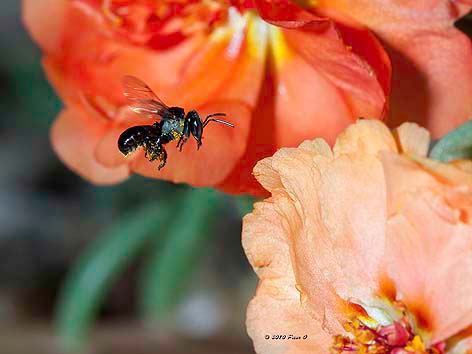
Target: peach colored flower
{"type": "Point", "coordinates": [365, 248]}
{"type": "Point", "coordinates": [211, 55]}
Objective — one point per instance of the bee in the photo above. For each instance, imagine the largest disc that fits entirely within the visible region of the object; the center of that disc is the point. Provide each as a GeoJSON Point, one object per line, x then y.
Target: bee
{"type": "Point", "coordinates": [173, 123]}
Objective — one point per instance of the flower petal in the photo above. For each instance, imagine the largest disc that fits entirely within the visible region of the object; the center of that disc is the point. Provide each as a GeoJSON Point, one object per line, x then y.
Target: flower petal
{"type": "Point", "coordinates": [278, 307]}
{"type": "Point", "coordinates": [367, 47]}
{"type": "Point", "coordinates": [366, 137]}
{"type": "Point", "coordinates": [63, 88]}
{"type": "Point", "coordinates": [330, 56]}
{"type": "Point", "coordinates": [74, 136]}
{"type": "Point", "coordinates": [428, 247]}
{"type": "Point", "coordinates": [96, 61]}
{"type": "Point", "coordinates": [352, 223]}
{"type": "Point", "coordinates": [398, 16]}
{"type": "Point", "coordinates": [331, 236]}
{"type": "Point", "coordinates": [45, 29]}
{"type": "Point", "coordinates": [286, 14]}
{"type": "Point", "coordinates": [432, 76]}
{"type": "Point", "coordinates": [317, 67]}
{"type": "Point", "coordinates": [413, 139]}
{"type": "Point", "coordinates": [286, 90]}
{"type": "Point", "coordinates": [261, 144]}
{"type": "Point", "coordinates": [432, 80]}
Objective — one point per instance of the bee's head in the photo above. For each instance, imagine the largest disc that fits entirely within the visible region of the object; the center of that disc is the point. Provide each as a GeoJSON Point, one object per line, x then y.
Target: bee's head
{"type": "Point", "coordinates": [195, 126]}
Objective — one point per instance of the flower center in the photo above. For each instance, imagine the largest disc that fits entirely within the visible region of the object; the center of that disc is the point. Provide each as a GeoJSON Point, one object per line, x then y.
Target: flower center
{"type": "Point", "coordinates": [163, 23]}
{"type": "Point", "coordinates": [364, 336]}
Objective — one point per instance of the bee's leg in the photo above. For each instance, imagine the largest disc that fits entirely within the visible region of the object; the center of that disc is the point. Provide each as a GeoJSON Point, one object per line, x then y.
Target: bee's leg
{"type": "Point", "coordinates": [152, 151]}
{"type": "Point", "coordinates": [146, 152]}
{"type": "Point", "coordinates": [182, 141]}
{"type": "Point", "coordinates": [185, 135]}
{"type": "Point", "coordinates": [162, 157]}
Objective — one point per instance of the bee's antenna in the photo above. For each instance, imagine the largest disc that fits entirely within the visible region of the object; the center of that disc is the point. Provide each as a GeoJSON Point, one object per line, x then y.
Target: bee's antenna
{"type": "Point", "coordinates": [217, 121]}
{"type": "Point", "coordinates": [208, 120]}
{"type": "Point", "coordinates": [216, 115]}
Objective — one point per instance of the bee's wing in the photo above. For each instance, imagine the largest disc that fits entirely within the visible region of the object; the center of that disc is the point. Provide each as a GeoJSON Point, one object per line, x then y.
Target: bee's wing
{"type": "Point", "coordinates": [142, 99]}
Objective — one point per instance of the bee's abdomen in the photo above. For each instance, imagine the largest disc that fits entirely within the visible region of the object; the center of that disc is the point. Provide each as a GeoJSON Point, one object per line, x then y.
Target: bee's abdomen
{"type": "Point", "coordinates": [133, 137]}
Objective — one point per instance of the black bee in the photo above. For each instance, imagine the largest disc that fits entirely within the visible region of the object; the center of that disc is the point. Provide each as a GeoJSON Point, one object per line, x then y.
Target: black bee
{"type": "Point", "coordinates": [174, 123]}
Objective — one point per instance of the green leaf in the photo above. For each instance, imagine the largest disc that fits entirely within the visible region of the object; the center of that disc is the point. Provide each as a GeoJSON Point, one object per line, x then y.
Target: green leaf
{"type": "Point", "coordinates": [99, 266]}
{"type": "Point", "coordinates": [454, 145]}
{"type": "Point", "coordinates": [171, 264]}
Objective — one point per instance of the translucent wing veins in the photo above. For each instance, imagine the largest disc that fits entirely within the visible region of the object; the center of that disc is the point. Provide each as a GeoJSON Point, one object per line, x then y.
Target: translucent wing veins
{"type": "Point", "coordinates": [142, 99]}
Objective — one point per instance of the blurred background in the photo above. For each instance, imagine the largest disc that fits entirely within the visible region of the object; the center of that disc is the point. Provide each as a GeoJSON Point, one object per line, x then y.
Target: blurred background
{"type": "Point", "coordinates": [142, 267]}
{"type": "Point", "coordinates": [105, 269]}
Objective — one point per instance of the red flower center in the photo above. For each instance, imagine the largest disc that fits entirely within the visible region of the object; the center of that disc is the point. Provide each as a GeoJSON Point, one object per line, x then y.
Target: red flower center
{"type": "Point", "coordinates": [163, 23]}
{"type": "Point", "coordinates": [397, 338]}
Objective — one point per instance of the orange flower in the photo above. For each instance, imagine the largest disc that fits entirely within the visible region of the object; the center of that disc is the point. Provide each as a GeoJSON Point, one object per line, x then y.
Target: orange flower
{"type": "Point", "coordinates": [364, 248]}
{"type": "Point", "coordinates": [431, 59]}
{"type": "Point", "coordinates": [273, 81]}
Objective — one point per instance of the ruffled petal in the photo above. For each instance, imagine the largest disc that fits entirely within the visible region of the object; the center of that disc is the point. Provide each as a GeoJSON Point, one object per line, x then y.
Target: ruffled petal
{"type": "Point", "coordinates": [289, 175]}
{"type": "Point", "coordinates": [413, 139]}
{"type": "Point", "coordinates": [74, 136]}
{"type": "Point", "coordinates": [279, 306]}
{"type": "Point", "coordinates": [428, 247]}
{"type": "Point", "coordinates": [331, 236]}
{"type": "Point", "coordinates": [366, 137]}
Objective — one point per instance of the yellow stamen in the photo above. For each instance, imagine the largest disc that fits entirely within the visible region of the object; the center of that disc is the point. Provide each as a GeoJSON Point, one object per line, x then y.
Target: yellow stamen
{"type": "Point", "coordinates": [416, 345]}
{"type": "Point", "coordinates": [106, 8]}
{"type": "Point", "coordinates": [280, 50]}
{"type": "Point", "coordinates": [257, 37]}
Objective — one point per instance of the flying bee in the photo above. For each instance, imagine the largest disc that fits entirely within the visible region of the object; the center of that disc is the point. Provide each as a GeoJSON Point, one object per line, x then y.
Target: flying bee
{"type": "Point", "coordinates": [174, 124]}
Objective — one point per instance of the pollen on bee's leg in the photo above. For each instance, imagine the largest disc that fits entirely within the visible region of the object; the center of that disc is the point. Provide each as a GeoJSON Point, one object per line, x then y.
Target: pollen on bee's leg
{"type": "Point", "coordinates": [147, 153]}
{"type": "Point", "coordinates": [162, 156]}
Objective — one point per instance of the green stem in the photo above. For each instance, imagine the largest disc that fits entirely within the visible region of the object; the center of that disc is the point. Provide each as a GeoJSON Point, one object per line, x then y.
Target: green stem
{"type": "Point", "coordinates": [98, 267]}
{"type": "Point", "coordinates": [171, 264]}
